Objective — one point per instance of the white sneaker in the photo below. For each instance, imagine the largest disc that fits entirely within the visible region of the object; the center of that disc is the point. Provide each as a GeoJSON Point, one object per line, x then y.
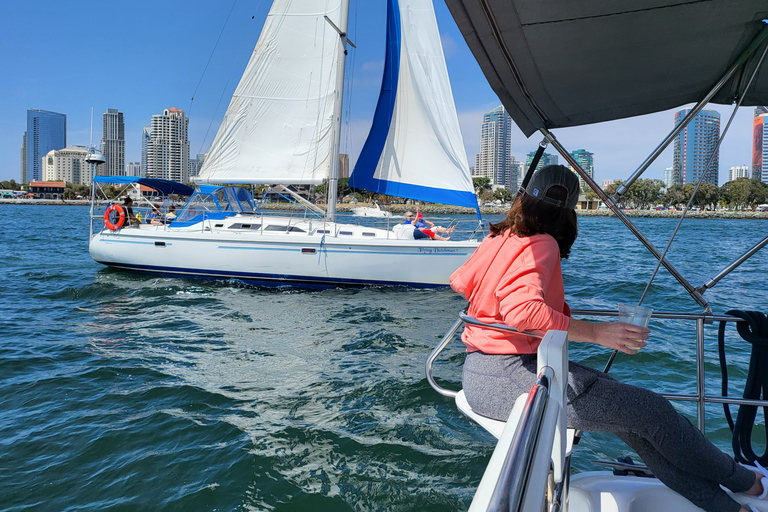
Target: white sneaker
{"type": "Point", "coordinates": [763, 480]}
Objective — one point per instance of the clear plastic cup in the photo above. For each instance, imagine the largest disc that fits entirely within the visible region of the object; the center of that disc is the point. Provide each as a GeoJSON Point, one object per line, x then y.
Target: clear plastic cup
{"type": "Point", "coordinates": [635, 315]}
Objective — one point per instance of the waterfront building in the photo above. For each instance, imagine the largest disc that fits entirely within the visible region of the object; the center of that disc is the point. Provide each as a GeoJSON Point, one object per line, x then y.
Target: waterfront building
{"type": "Point", "coordinates": [113, 143]}
{"type": "Point", "coordinates": [45, 131]}
{"type": "Point", "coordinates": [741, 171]}
{"type": "Point", "coordinates": [495, 160]}
{"type": "Point", "coordinates": [133, 169]}
{"type": "Point", "coordinates": [760, 144]}
{"type": "Point", "coordinates": [586, 161]}
{"type": "Point", "coordinates": [607, 183]}
{"type": "Point", "coordinates": [695, 146]}
{"type": "Point", "coordinates": [165, 146]}
{"type": "Point", "coordinates": [69, 165]}
{"type": "Point", "coordinates": [46, 189]}
{"type": "Point", "coordinates": [671, 178]}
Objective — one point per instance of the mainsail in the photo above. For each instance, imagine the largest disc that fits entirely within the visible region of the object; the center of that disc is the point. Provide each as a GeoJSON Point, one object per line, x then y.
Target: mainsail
{"type": "Point", "coordinates": [415, 148]}
{"type": "Point", "coordinates": [278, 126]}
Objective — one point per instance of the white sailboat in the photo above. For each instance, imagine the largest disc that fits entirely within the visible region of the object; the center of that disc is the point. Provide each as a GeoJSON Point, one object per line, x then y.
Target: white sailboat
{"type": "Point", "coordinates": [283, 127]}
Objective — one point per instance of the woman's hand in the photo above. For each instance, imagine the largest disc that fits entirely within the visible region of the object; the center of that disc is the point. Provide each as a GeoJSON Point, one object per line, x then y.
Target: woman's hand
{"type": "Point", "coordinates": [627, 338]}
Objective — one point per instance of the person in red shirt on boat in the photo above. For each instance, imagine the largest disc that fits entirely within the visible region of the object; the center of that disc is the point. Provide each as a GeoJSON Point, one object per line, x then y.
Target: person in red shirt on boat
{"type": "Point", "coordinates": [515, 278]}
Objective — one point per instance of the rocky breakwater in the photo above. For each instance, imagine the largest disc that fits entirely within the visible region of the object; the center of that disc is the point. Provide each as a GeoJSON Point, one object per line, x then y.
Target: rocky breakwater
{"type": "Point", "coordinates": [675, 214]}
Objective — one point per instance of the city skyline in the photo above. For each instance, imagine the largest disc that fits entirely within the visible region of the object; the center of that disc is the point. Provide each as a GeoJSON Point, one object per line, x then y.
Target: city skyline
{"type": "Point", "coordinates": [163, 70]}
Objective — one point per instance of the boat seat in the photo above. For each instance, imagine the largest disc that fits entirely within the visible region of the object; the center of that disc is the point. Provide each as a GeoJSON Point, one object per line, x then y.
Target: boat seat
{"type": "Point", "coordinates": [403, 231]}
{"type": "Point", "coordinates": [495, 427]}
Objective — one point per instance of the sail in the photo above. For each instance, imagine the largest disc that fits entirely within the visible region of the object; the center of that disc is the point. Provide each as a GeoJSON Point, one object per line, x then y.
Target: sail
{"type": "Point", "coordinates": [564, 63]}
{"type": "Point", "coordinates": [415, 148]}
{"type": "Point", "coordinates": [278, 126]}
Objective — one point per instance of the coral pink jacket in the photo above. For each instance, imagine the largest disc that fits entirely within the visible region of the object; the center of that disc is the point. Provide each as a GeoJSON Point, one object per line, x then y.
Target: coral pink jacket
{"type": "Point", "coordinates": [516, 281]}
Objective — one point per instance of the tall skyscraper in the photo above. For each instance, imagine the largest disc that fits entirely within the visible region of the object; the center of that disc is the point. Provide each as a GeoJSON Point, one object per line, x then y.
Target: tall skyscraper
{"type": "Point", "coordinates": [167, 146]}
{"type": "Point", "coordinates": [586, 161]}
{"type": "Point", "coordinates": [145, 139]}
{"type": "Point", "coordinates": [133, 169]}
{"type": "Point", "coordinates": [113, 143]}
{"type": "Point", "coordinates": [670, 178]}
{"type": "Point", "coordinates": [695, 145]}
{"type": "Point", "coordinates": [546, 159]}
{"type": "Point", "coordinates": [45, 131]}
{"type": "Point", "coordinates": [760, 145]}
{"type": "Point", "coordinates": [495, 160]}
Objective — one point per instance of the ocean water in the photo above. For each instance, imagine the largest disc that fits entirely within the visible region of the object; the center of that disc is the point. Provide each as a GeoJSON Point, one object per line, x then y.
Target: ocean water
{"type": "Point", "coordinates": [121, 391]}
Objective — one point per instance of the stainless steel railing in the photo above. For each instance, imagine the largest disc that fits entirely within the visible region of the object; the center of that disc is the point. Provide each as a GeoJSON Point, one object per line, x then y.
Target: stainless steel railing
{"type": "Point", "coordinates": [701, 397]}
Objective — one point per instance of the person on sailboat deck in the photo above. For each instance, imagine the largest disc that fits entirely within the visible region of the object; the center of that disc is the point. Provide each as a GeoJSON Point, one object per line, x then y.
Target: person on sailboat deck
{"type": "Point", "coordinates": [421, 233]}
{"type": "Point", "coordinates": [423, 223]}
{"type": "Point", "coordinates": [128, 205]}
{"type": "Point", "coordinates": [515, 278]}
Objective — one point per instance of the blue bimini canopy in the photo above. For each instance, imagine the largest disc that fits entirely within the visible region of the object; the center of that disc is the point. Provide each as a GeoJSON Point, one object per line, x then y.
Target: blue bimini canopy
{"type": "Point", "coordinates": [165, 187]}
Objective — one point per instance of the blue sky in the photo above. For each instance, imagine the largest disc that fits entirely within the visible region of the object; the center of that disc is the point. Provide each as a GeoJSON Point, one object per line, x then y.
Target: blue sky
{"type": "Point", "coordinates": [141, 57]}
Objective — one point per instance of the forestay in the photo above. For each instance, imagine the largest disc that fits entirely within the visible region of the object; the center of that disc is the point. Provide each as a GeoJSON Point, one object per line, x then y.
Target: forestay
{"type": "Point", "coordinates": [277, 128]}
{"type": "Point", "coordinates": [564, 63]}
{"type": "Point", "coordinates": [415, 148]}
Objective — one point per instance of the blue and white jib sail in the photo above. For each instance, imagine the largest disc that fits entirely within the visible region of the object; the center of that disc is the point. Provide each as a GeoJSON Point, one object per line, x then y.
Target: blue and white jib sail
{"type": "Point", "coordinates": [415, 148]}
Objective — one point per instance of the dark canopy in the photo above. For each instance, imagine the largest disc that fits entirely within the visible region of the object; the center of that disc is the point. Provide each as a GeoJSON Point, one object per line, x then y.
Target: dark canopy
{"type": "Point", "coordinates": [165, 187]}
{"type": "Point", "coordinates": [560, 63]}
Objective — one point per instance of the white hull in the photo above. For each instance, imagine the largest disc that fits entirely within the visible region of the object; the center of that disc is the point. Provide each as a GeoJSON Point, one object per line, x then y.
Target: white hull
{"type": "Point", "coordinates": [312, 253]}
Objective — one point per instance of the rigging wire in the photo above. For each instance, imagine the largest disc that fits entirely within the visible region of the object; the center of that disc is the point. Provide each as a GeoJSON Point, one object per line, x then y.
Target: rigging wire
{"type": "Point", "coordinates": [703, 174]}
{"type": "Point", "coordinates": [245, 41]}
{"type": "Point", "coordinates": [192, 99]}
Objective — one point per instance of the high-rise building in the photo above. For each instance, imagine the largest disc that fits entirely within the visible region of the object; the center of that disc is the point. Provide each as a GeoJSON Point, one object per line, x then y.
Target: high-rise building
{"type": "Point", "coordinates": [670, 177]}
{"type": "Point", "coordinates": [695, 146]}
{"type": "Point", "coordinates": [741, 171]}
{"type": "Point", "coordinates": [69, 165]}
{"type": "Point", "coordinates": [495, 160]}
{"type": "Point", "coordinates": [546, 159]}
{"type": "Point", "coordinates": [145, 139]}
{"type": "Point", "coordinates": [760, 145]}
{"type": "Point", "coordinates": [113, 143]}
{"type": "Point", "coordinates": [586, 161]}
{"type": "Point", "coordinates": [45, 131]}
{"type": "Point", "coordinates": [133, 169]}
{"type": "Point", "coordinates": [167, 146]}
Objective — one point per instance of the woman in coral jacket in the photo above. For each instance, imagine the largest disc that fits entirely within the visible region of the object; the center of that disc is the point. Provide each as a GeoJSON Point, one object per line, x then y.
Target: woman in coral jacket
{"type": "Point", "coordinates": [514, 278]}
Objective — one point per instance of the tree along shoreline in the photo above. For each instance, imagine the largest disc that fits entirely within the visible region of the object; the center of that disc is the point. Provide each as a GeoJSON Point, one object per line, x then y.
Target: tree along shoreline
{"type": "Point", "coordinates": [437, 209]}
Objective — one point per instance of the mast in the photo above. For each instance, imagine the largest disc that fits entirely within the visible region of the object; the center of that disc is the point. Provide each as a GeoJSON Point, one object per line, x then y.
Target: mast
{"type": "Point", "coordinates": [333, 175]}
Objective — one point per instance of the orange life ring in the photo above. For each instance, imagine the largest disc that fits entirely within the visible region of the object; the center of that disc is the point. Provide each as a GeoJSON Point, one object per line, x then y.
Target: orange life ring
{"type": "Point", "coordinates": [108, 217]}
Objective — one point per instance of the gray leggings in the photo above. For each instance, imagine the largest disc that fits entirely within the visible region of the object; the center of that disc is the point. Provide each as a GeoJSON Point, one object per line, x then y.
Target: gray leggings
{"type": "Point", "coordinates": [678, 454]}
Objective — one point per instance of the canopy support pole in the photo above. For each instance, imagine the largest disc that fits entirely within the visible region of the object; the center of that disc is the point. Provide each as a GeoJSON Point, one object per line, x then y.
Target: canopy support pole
{"type": "Point", "coordinates": [743, 58]}
{"type": "Point", "coordinates": [693, 292]}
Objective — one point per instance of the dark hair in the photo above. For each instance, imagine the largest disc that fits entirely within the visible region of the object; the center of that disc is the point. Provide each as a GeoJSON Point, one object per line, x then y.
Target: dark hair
{"type": "Point", "coordinates": [529, 216]}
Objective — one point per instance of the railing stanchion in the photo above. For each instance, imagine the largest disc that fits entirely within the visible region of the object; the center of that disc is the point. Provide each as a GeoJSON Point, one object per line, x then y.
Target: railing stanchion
{"type": "Point", "coordinates": [700, 373]}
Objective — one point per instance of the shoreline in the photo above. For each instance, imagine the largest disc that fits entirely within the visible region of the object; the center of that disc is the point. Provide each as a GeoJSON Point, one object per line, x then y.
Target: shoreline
{"type": "Point", "coordinates": [429, 209]}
